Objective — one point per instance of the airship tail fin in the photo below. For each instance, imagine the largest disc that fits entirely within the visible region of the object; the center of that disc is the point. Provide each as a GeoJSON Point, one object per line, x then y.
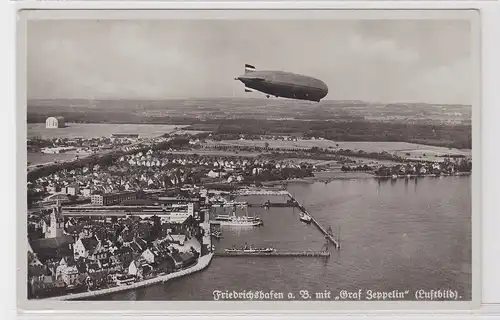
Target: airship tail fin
{"type": "Point", "coordinates": [249, 68]}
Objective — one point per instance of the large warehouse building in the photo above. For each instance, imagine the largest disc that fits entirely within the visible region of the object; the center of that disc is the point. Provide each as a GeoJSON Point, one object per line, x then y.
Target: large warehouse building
{"type": "Point", "coordinates": [54, 122]}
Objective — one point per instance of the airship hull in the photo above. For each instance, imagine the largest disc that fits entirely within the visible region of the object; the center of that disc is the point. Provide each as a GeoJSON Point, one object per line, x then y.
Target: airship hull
{"type": "Point", "coordinates": [285, 84]}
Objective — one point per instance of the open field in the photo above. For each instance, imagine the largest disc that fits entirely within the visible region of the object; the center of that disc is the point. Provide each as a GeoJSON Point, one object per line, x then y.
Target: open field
{"type": "Point", "coordinates": [367, 146]}
{"type": "Point", "coordinates": [96, 130]}
{"type": "Point", "coordinates": [191, 132]}
{"type": "Point", "coordinates": [337, 174]}
{"type": "Point", "coordinates": [220, 153]}
{"type": "Point", "coordinates": [41, 158]}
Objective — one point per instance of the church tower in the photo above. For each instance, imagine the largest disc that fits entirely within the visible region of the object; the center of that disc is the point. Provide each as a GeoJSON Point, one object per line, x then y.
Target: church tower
{"type": "Point", "coordinates": [56, 228]}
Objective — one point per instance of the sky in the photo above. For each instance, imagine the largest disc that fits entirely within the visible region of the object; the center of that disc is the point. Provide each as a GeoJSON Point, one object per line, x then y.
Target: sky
{"type": "Point", "coordinates": [370, 60]}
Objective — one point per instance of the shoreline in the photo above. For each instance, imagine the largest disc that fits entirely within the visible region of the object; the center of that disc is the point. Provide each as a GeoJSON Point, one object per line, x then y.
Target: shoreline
{"type": "Point", "coordinates": [432, 175]}
{"type": "Point", "coordinates": [203, 262]}
{"type": "Point", "coordinates": [355, 175]}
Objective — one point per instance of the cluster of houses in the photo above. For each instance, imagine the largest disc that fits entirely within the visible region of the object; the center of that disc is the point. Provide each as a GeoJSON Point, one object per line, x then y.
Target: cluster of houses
{"type": "Point", "coordinates": [86, 146]}
{"type": "Point", "coordinates": [63, 142]}
{"type": "Point", "coordinates": [446, 167]}
{"type": "Point", "coordinates": [156, 170]}
{"type": "Point", "coordinates": [67, 255]}
{"type": "Point", "coordinates": [235, 136]}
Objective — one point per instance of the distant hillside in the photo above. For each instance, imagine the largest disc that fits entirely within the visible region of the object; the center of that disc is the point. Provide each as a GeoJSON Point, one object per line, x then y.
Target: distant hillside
{"type": "Point", "coordinates": [178, 111]}
{"type": "Point", "coordinates": [242, 102]}
{"type": "Point", "coordinates": [443, 125]}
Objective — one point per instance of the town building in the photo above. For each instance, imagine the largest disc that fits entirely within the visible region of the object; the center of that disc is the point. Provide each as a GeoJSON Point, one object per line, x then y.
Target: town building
{"type": "Point", "coordinates": [55, 229]}
{"type": "Point", "coordinates": [86, 192]}
{"type": "Point", "coordinates": [151, 255]}
{"type": "Point", "coordinates": [85, 247]}
{"type": "Point", "coordinates": [54, 122]}
{"type": "Point", "coordinates": [108, 199]}
{"type": "Point", "coordinates": [139, 268]}
{"type": "Point", "coordinates": [67, 272]}
{"type": "Point", "coordinates": [122, 137]}
{"type": "Point", "coordinates": [73, 190]}
{"type": "Point", "coordinates": [50, 248]}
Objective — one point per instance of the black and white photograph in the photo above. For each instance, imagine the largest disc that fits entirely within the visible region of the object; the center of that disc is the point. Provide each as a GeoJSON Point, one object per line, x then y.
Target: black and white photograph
{"type": "Point", "coordinates": [273, 157]}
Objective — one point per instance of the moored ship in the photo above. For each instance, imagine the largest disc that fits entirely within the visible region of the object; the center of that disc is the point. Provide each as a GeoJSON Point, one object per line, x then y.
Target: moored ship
{"type": "Point", "coordinates": [226, 220]}
{"type": "Point", "coordinates": [241, 221]}
{"type": "Point", "coordinates": [249, 249]}
{"type": "Point", "coordinates": [222, 202]}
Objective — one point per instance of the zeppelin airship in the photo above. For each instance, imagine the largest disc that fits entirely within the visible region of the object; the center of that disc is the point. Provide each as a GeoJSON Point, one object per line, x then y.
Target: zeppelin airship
{"type": "Point", "coordinates": [283, 84]}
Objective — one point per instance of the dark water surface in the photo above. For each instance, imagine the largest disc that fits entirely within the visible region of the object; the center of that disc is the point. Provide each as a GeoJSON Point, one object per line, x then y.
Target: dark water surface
{"type": "Point", "coordinates": [396, 235]}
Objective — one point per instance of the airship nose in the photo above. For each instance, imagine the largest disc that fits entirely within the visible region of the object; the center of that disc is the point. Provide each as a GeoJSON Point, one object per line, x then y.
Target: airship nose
{"type": "Point", "coordinates": [324, 88]}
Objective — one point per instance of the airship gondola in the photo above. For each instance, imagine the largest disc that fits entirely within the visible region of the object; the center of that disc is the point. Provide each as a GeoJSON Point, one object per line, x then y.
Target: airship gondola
{"type": "Point", "coordinates": [283, 84]}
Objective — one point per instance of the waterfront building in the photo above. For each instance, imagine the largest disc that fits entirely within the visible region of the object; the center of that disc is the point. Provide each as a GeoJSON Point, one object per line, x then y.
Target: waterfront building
{"type": "Point", "coordinates": [193, 202]}
{"type": "Point", "coordinates": [106, 199]}
{"type": "Point", "coordinates": [139, 268]}
{"type": "Point", "coordinates": [184, 259]}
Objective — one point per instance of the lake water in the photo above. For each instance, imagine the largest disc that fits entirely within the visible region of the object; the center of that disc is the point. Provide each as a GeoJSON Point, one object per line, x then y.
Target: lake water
{"type": "Point", "coordinates": [395, 235]}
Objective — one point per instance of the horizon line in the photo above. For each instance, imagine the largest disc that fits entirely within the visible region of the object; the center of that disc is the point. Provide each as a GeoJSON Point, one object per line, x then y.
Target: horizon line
{"type": "Point", "coordinates": [252, 98]}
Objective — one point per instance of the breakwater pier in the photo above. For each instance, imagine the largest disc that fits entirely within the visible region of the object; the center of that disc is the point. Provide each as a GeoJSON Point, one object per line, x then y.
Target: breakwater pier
{"type": "Point", "coordinates": [294, 203]}
{"type": "Point", "coordinates": [259, 192]}
{"type": "Point", "coordinates": [272, 205]}
{"type": "Point", "coordinates": [328, 233]}
{"type": "Point", "coordinates": [274, 254]}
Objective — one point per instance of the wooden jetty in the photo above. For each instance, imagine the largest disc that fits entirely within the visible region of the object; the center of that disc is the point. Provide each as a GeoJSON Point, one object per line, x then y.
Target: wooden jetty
{"type": "Point", "coordinates": [328, 234]}
{"type": "Point", "coordinates": [273, 205]}
{"type": "Point", "coordinates": [259, 192]}
{"type": "Point", "coordinates": [275, 254]}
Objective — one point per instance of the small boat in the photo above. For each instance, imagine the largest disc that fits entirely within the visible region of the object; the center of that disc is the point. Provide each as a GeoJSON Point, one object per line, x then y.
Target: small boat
{"type": "Point", "coordinates": [217, 234]}
{"type": "Point", "coordinates": [304, 217]}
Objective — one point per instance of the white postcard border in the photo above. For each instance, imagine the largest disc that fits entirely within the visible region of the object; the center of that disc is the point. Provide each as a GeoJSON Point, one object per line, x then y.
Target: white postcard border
{"type": "Point", "coordinates": [208, 307]}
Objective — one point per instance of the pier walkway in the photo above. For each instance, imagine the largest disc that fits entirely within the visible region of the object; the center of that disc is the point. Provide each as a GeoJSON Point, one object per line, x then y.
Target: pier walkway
{"type": "Point", "coordinates": [328, 235]}
{"type": "Point", "coordinates": [275, 254]}
{"type": "Point", "coordinates": [248, 192]}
